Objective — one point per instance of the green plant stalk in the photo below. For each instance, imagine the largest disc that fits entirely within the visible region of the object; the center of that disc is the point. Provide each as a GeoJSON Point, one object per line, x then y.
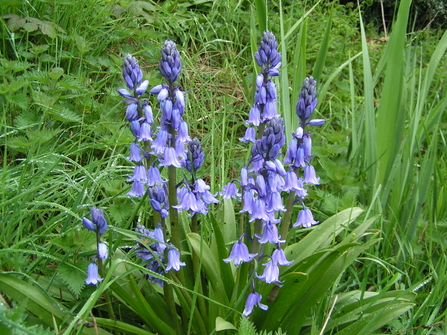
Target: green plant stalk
{"type": "Point", "coordinates": [198, 317]}
{"type": "Point", "coordinates": [168, 294]}
{"type": "Point", "coordinates": [102, 274]}
{"type": "Point", "coordinates": [197, 272]}
{"type": "Point", "coordinates": [285, 222]}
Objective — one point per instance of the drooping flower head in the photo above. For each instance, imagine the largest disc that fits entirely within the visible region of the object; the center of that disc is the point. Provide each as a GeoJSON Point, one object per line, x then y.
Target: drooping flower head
{"type": "Point", "coordinates": [239, 254]}
{"type": "Point", "coordinates": [253, 299]}
{"type": "Point", "coordinates": [93, 277]}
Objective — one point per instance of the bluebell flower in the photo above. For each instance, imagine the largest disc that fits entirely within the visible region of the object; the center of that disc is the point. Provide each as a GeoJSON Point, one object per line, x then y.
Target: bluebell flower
{"type": "Point", "coordinates": [271, 273]}
{"type": "Point", "coordinates": [135, 128]}
{"type": "Point", "coordinates": [174, 260]}
{"type": "Point", "coordinates": [239, 254]}
{"type": "Point", "coordinates": [159, 144]}
{"type": "Point", "coordinates": [98, 223]}
{"type": "Point", "coordinates": [155, 254]}
{"type": "Point", "coordinates": [248, 203]}
{"type": "Point", "coordinates": [250, 135]}
{"type": "Point", "coordinates": [139, 174]}
{"type": "Point", "coordinates": [279, 257]}
{"type": "Point", "coordinates": [254, 116]}
{"type": "Point", "coordinates": [230, 191]}
{"type": "Point", "coordinates": [309, 175]}
{"type": "Point", "coordinates": [269, 234]}
{"type": "Point", "coordinates": [307, 100]}
{"type": "Point", "coordinates": [305, 219]}
{"type": "Point", "coordinates": [137, 189]}
{"type": "Point", "coordinates": [102, 250]}
{"type": "Point", "coordinates": [316, 122]}
{"type": "Point", "coordinates": [187, 200]}
{"type": "Point", "coordinates": [147, 110]}
{"type": "Point", "coordinates": [195, 155]}
{"type": "Point", "coordinates": [170, 158]}
{"type": "Point", "coordinates": [183, 132]}
{"type": "Point", "coordinates": [132, 112]}
{"type": "Point", "coordinates": [93, 277]}
{"type": "Point", "coordinates": [88, 224]}
{"type": "Point", "coordinates": [135, 153]}
{"type": "Point", "coordinates": [132, 73]}
{"type": "Point", "coordinates": [154, 176]}
{"type": "Point", "coordinates": [145, 132]}
{"type": "Point", "coordinates": [158, 195]}
{"type": "Point", "coordinates": [170, 64]}
{"type": "Point", "coordinates": [253, 299]}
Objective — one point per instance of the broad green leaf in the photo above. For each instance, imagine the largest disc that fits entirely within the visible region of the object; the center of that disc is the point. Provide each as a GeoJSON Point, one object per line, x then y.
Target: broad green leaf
{"type": "Point", "coordinates": [228, 226]}
{"type": "Point", "coordinates": [261, 10]}
{"type": "Point", "coordinates": [352, 306]}
{"type": "Point", "coordinates": [322, 235]}
{"type": "Point", "coordinates": [30, 27]}
{"type": "Point", "coordinates": [391, 112]}
{"type": "Point", "coordinates": [222, 253]}
{"type": "Point", "coordinates": [210, 266]}
{"type": "Point", "coordinates": [319, 64]}
{"type": "Point", "coordinates": [371, 322]}
{"type": "Point", "coordinates": [221, 324]}
{"type": "Point", "coordinates": [39, 302]}
{"type": "Point", "coordinates": [123, 327]}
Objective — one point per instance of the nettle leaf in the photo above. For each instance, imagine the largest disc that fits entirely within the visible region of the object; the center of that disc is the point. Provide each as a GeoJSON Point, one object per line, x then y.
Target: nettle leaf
{"type": "Point", "coordinates": [21, 66]}
{"type": "Point", "coordinates": [56, 73]}
{"type": "Point", "coordinates": [25, 120]}
{"type": "Point", "coordinates": [19, 143]}
{"type": "Point", "coordinates": [17, 84]}
{"type": "Point", "coordinates": [120, 212]}
{"type": "Point", "coordinates": [246, 327]}
{"type": "Point", "coordinates": [21, 100]}
{"type": "Point", "coordinates": [40, 76]}
{"type": "Point", "coordinates": [50, 29]}
{"type": "Point", "coordinates": [64, 114]}
{"type": "Point", "coordinates": [81, 43]}
{"type": "Point", "coordinates": [112, 186]}
{"type": "Point", "coordinates": [30, 27]}
{"type": "Point", "coordinates": [72, 83]}
{"type": "Point", "coordinates": [74, 276]}
{"type": "Point", "coordinates": [43, 135]}
{"type": "Point", "coordinates": [75, 240]}
{"type": "Point", "coordinates": [15, 22]}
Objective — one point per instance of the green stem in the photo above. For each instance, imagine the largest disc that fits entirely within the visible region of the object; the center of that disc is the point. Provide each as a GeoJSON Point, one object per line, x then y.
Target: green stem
{"type": "Point", "coordinates": [102, 274]}
{"type": "Point", "coordinates": [198, 317]}
{"type": "Point", "coordinates": [168, 294]}
{"type": "Point", "coordinates": [285, 222]}
{"type": "Point", "coordinates": [197, 271]}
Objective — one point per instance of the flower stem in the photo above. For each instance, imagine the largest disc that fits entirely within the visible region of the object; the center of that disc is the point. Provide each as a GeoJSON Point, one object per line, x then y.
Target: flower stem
{"type": "Point", "coordinates": [102, 274]}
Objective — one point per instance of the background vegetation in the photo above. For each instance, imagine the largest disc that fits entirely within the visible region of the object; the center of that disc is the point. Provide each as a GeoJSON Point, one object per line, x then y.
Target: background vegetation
{"type": "Point", "coordinates": [64, 140]}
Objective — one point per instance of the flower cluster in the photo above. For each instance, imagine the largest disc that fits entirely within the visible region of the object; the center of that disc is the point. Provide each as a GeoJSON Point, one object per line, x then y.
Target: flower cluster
{"type": "Point", "coordinates": [166, 146]}
{"type": "Point", "coordinates": [97, 224]}
{"type": "Point", "coordinates": [139, 115]}
{"type": "Point", "coordinates": [266, 178]}
{"type": "Point", "coordinates": [264, 107]}
{"type": "Point", "coordinates": [154, 255]}
{"type": "Point", "coordinates": [299, 152]}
